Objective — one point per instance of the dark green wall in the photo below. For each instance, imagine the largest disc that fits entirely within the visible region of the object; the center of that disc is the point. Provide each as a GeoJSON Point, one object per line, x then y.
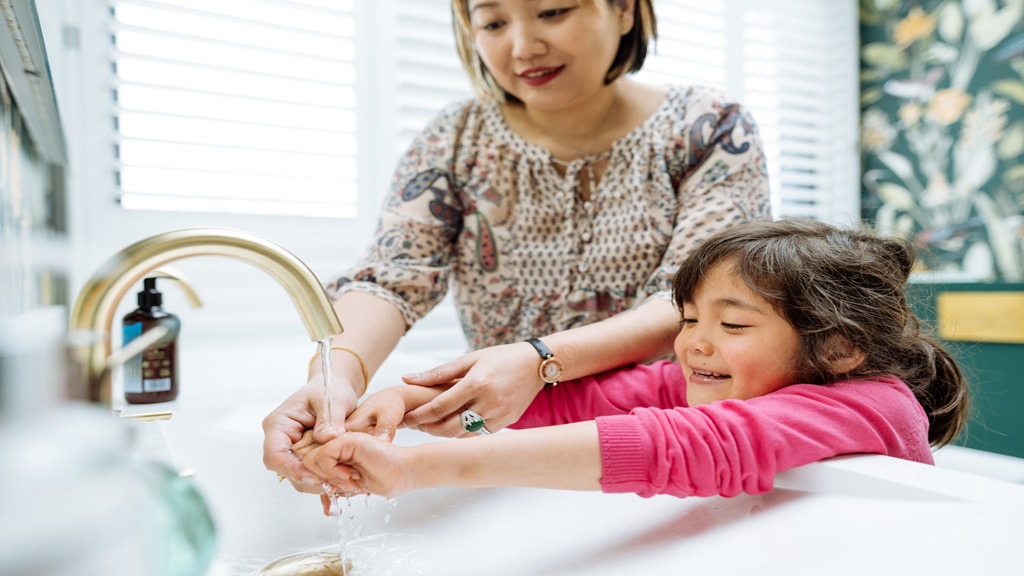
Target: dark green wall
{"type": "Point", "coordinates": [995, 373]}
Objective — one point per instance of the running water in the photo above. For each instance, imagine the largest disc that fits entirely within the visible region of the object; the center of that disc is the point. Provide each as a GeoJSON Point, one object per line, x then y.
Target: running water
{"type": "Point", "coordinates": [325, 364]}
{"type": "Point", "coordinates": [328, 420]}
{"type": "Point", "coordinates": [375, 561]}
{"type": "Point", "coordinates": [336, 511]}
{"type": "Point", "coordinates": [337, 508]}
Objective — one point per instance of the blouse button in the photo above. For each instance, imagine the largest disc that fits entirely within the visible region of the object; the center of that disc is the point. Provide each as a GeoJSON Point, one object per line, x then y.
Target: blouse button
{"type": "Point", "coordinates": [585, 236]}
{"type": "Point", "coordinates": [582, 266]}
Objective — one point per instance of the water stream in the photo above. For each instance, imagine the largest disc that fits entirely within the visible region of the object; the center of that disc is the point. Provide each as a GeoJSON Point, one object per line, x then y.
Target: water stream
{"type": "Point", "coordinates": [341, 504]}
{"type": "Point", "coordinates": [328, 420]}
{"type": "Point", "coordinates": [325, 365]}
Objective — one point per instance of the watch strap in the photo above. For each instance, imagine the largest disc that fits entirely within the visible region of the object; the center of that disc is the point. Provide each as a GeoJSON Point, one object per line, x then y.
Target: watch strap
{"type": "Point", "coordinates": [541, 348]}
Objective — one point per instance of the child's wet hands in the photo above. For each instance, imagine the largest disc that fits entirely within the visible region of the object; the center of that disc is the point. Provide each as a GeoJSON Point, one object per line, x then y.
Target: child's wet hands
{"type": "Point", "coordinates": [357, 462]}
{"type": "Point", "coordinates": [289, 425]}
{"type": "Point", "coordinates": [305, 445]}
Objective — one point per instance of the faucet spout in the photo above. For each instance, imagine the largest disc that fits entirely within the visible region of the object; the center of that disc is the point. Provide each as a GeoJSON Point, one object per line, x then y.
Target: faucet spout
{"type": "Point", "coordinates": [94, 308]}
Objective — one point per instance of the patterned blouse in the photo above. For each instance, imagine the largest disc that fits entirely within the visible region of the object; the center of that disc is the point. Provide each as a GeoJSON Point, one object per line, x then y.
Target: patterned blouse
{"type": "Point", "coordinates": [475, 205]}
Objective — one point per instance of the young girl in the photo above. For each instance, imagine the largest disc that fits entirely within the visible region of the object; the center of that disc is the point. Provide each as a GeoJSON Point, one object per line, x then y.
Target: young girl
{"type": "Point", "coordinates": [796, 344]}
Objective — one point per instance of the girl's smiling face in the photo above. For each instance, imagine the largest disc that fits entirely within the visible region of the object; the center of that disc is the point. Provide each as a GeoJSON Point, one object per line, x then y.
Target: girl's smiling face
{"type": "Point", "coordinates": [733, 343]}
{"type": "Point", "coordinates": [552, 54]}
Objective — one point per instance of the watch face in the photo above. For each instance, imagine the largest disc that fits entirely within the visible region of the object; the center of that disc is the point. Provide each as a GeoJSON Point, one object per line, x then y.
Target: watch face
{"type": "Point", "coordinates": [550, 370]}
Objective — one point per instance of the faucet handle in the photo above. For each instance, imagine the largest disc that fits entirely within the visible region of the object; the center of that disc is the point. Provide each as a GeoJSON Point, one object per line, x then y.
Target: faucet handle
{"type": "Point", "coordinates": [182, 280]}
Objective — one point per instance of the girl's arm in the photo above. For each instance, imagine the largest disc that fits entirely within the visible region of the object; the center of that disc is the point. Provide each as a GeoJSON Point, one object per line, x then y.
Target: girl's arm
{"type": "Point", "coordinates": [734, 446]}
{"type": "Point", "coordinates": [564, 457]}
{"type": "Point", "coordinates": [724, 448]}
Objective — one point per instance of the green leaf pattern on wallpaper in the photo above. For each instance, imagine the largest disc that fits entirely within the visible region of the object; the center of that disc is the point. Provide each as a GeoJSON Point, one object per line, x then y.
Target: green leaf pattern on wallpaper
{"type": "Point", "coordinates": [942, 131]}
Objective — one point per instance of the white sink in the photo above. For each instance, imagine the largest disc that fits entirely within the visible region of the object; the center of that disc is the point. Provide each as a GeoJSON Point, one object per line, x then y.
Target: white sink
{"type": "Point", "coordinates": [851, 515]}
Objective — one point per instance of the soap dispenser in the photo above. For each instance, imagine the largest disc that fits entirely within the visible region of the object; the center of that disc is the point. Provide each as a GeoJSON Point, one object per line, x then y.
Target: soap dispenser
{"type": "Point", "coordinates": [152, 375]}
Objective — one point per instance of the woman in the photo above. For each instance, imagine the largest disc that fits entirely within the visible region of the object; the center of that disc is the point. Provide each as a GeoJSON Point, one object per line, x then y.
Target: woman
{"type": "Point", "coordinates": [564, 194]}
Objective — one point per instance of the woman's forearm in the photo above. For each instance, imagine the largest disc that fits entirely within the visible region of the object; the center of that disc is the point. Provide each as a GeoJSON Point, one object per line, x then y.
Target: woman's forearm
{"type": "Point", "coordinates": [373, 327]}
{"type": "Point", "coordinates": [564, 457]}
{"type": "Point", "coordinates": [638, 335]}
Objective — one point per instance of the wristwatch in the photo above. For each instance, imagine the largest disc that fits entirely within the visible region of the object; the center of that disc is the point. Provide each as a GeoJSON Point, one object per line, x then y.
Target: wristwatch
{"type": "Point", "coordinates": [550, 367]}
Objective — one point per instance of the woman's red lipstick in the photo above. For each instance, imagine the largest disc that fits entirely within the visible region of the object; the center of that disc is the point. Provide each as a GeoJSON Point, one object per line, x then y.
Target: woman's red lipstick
{"type": "Point", "coordinates": [539, 76]}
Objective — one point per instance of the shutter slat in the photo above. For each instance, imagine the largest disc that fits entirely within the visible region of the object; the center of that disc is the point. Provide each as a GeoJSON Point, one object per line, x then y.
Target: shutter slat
{"type": "Point", "coordinates": [240, 106]}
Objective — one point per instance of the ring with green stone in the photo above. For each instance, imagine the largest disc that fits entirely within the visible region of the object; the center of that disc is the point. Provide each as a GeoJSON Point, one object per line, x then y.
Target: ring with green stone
{"type": "Point", "coordinates": [473, 422]}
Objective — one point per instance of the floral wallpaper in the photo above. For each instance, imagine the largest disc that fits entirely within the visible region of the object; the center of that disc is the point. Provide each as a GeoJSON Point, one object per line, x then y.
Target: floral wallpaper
{"type": "Point", "coordinates": [942, 132]}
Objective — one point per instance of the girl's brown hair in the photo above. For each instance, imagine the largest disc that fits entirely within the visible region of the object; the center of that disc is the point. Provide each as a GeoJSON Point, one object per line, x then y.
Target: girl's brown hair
{"type": "Point", "coordinates": [630, 57]}
{"type": "Point", "coordinates": [842, 291]}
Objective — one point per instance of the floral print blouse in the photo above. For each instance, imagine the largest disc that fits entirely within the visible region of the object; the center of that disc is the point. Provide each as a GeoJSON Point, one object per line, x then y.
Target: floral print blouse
{"type": "Point", "coordinates": [475, 206]}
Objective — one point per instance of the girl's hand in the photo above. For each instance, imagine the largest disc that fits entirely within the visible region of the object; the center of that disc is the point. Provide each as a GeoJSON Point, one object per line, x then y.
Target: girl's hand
{"type": "Point", "coordinates": [499, 383]}
{"type": "Point", "coordinates": [305, 445]}
{"type": "Point", "coordinates": [359, 463]}
{"type": "Point", "coordinates": [287, 424]}
{"type": "Point", "coordinates": [382, 413]}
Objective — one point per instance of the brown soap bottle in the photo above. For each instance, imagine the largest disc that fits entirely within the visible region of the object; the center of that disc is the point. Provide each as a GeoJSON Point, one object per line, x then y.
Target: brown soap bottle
{"type": "Point", "coordinates": [152, 375]}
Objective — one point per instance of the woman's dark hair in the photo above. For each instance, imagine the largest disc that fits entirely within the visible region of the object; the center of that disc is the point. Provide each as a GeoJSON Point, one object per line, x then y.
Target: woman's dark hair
{"type": "Point", "coordinates": [630, 57]}
{"type": "Point", "coordinates": [842, 290]}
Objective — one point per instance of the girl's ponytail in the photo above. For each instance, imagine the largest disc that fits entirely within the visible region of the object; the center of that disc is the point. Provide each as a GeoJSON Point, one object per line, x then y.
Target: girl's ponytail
{"type": "Point", "coordinates": [940, 387]}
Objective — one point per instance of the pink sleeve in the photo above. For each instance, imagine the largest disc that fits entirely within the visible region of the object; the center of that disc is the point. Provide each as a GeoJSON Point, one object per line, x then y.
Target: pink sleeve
{"type": "Point", "coordinates": [736, 446]}
{"type": "Point", "coordinates": [658, 385]}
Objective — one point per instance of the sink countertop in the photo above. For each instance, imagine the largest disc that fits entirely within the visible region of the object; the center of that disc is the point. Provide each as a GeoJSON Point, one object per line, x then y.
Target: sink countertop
{"type": "Point", "coordinates": [848, 515]}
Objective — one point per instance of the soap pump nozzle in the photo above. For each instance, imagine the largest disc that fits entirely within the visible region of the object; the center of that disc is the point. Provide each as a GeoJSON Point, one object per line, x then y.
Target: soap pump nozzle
{"type": "Point", "coordinates": [150, 297]}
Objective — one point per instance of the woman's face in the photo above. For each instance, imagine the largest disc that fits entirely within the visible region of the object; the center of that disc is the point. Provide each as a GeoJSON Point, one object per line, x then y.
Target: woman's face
{"type": "Point", "coordinates": [733, 343]}
{"type": "Point", "coordinates": [550, 54]}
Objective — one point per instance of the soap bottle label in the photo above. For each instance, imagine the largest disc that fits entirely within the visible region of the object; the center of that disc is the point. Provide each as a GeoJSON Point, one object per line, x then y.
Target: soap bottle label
{"type": "Point", "coordinates": [156, 370]}
{"type": "Point", "coordinates": [149, 371]}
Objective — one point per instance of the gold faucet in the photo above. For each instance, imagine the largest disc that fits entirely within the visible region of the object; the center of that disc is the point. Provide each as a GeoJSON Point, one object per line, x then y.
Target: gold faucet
{"type": "Point", "coordinates": [93, 312]}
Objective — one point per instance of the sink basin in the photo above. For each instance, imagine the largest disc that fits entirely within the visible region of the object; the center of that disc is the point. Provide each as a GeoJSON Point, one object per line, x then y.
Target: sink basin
{"type": "Point", "coordinates": [850, 515]}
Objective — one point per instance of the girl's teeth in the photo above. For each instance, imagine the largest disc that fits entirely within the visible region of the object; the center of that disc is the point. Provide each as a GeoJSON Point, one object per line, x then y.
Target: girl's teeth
{"type": "Point", "coordinates": [708, 374]}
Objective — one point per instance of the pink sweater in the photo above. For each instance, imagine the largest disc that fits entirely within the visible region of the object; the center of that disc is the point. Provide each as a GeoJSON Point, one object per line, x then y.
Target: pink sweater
{"type": "Point", "coordinates": [653, 443]}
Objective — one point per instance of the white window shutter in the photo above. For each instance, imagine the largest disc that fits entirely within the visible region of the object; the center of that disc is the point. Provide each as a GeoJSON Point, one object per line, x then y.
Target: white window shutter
{"type": "Point", "coordinates": [241, 106]}
{"type": "Point", "coordinates": [793, 64]}
{"type": "Point", "coordinates": [799, 79]}
{"type": "Point", "coordinates": [429, 74]}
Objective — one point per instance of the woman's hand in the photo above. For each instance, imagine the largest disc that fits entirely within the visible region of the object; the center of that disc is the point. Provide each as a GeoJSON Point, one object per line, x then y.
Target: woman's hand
{"type": "Point", "coordinates": [355, 462]}
{"type": "Point", "coordinates": [303, 411]}
{"type": "Point", "coordinates": [498, 383]}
